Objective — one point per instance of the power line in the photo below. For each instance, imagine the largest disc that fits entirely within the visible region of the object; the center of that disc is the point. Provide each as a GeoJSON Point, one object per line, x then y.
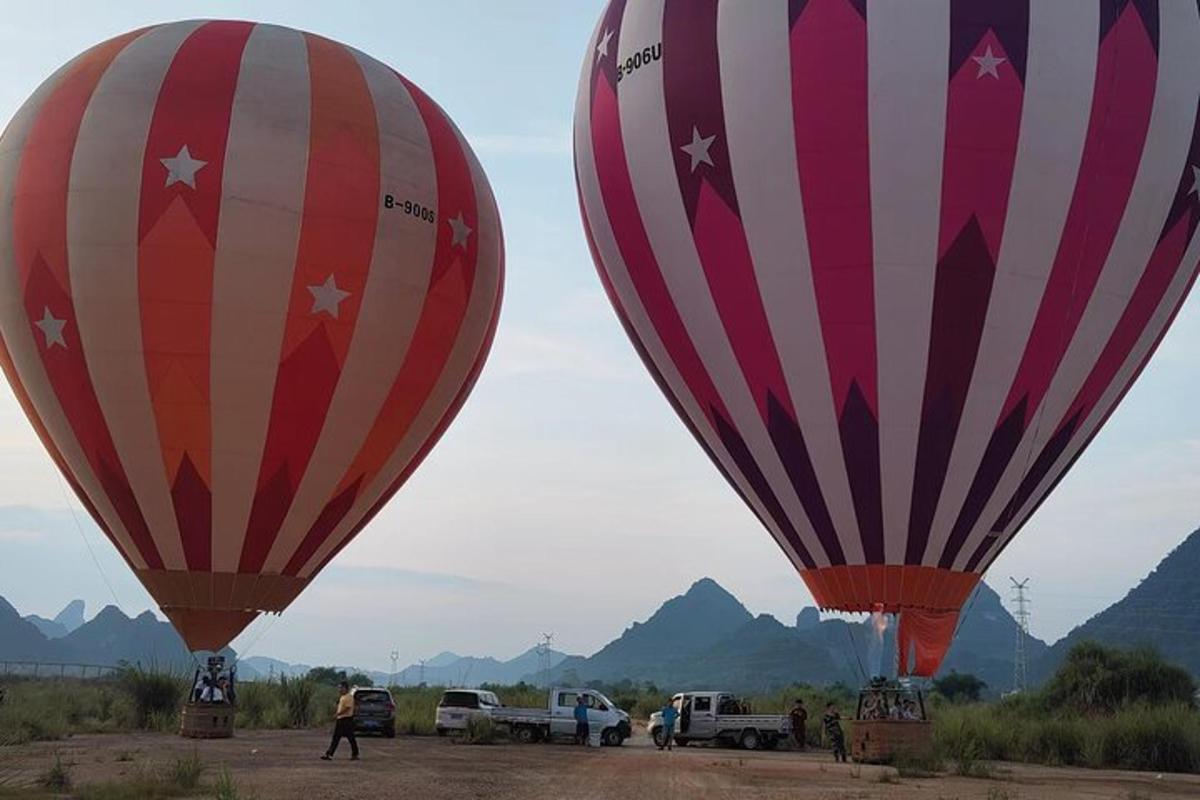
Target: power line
{"type": "Point", "coordinates": [1022, 618]}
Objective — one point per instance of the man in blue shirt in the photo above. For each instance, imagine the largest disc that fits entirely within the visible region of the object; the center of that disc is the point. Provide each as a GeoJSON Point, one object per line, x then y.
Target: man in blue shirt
{"type": "Point", "coordinates": [669, 715]}
{"type": "Point", "coordinates": [581, 720]}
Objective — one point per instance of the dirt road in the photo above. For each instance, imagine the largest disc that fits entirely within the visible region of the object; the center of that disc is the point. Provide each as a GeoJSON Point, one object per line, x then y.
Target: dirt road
{"type": "Point", "coordinates": [282, 765]}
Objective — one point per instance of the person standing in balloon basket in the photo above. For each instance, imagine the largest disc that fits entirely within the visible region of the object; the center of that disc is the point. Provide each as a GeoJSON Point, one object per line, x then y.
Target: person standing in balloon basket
{"type": "Point", "coordinates": [832, 721]}
{"type": "Point", "coordinates": [581, 720]}
{"type": "Point", "coordinates": [799, 718]}
{"type": "Point", "coordinates": [343, 723]}
{"type": "Point", "coordinates": [669, 715]}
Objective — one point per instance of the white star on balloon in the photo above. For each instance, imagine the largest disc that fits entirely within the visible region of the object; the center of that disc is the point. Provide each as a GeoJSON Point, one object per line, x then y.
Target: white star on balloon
{"type": "Point", "coordinates": [602, 46]}
{"type": "Point", "coordinates": [697, 149]}
{"type": "Point", "coordinates": [460, 231]}
{"type": "Point", "coordinates": [52, 329]}
{"type": "Point", "coordinates": [182, 168]}
{"type": "Point", "coordinates": [988, 62]}
{"type": "Point", "coordinates": [1195, 182]}
{"type": "Point", "coordinates": [327, 297]}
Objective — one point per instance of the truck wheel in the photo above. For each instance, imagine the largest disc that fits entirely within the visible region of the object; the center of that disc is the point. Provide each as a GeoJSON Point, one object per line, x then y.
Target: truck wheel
{"type": "Point", "coordinates": [750, 739]}
{"type": "Point", "coordinates": [442, 732]}
{"type": "Point", "coordinates": [659, 739]}
{"type": "Point", "coordinates": [526, 735]}
{"type": "Point", "coordinates": [611, 737]}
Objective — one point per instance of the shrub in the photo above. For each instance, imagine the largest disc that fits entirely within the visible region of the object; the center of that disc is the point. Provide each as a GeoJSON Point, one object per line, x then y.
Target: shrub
{"type": "Point", "coordinates": [185, 772]}
{"type": "Point", "coordinates": [1058, 742]}
{"type": "Point", "coordinates": [1162, 739]}
{"type": "Point", "coordinates": [298, 700]}
{"type": "Point", "coordinates": [481, 730]}
{"type": "Point", "coordinates": [960, 687]}
{"type": "Point", "coordinates": [57, 776]}
{"type": "Point", "coordinates": [226, 788]}
{"type": "Point", "coordinates": [156, 694]}
{"type": "Point", "coordinates": [253, 701]}
{"type": "Point", "coordinates": [1099, 679]}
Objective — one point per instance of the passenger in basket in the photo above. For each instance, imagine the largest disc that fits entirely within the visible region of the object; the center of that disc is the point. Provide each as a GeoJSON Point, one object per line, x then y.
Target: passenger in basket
{"type": "Point", "coordinates": [343, 725]}
{"type": "Point", "coordinates": [669, 715]}
{"type": "Point", "coordinates": [581, 720]}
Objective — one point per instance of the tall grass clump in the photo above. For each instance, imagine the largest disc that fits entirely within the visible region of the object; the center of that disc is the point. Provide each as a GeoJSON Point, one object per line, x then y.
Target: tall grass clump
{"type": "Point", "coordinates": [298, 700]}
{"type": "Point", "coordinates": [1158, 739]}
{"type": "Point", "coordinates": [156, 694]}
{"type": "Point", "coordinates": [254, 700]}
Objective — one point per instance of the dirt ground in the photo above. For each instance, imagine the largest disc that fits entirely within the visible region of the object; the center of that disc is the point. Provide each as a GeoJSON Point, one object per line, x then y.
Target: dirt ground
{"type": "Point", "coordinates": [284, 765]}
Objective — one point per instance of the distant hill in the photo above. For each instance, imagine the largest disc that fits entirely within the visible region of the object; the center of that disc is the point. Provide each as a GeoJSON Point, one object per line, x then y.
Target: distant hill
{"type": "Point", "coordinates": [20, 639]}
{"type": "Point", "coordinates": [706, 637]}
{"type": "Point", "coordinates": [108, 639]}
{"type": "Point", "coordinates": [67, 620]}
{"type": "Point", "coordinates": [1162, 612]}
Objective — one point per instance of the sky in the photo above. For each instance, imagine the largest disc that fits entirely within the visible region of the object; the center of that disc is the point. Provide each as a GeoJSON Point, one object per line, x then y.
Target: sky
{"type": "Point", "coordinates": [567, 497]}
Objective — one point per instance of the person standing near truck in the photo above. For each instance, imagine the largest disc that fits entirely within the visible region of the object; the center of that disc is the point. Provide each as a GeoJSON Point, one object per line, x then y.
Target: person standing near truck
{"type": "Point", "coordinates": [343, 724]}
{"type": "Point", "coordinates": [581, 720]}
{"type": "Point", "coordinates": [832, 722]}
{"type": "Point", "coordinates": [669, 715]}
{"type": "Point", "coordinates": [799, 719]}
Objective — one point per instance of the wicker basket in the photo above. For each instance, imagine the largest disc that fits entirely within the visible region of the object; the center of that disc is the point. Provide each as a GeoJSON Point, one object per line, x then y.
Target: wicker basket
{"type": "Point", "coordinates": [207, 720]}
{"type": "Point", "coordinates": [881, 741]}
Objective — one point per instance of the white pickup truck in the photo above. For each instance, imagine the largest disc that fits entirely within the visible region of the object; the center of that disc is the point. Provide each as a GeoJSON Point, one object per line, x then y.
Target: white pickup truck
{"type": "Point", "coordinates": [717, 717]}
{"type": "Point", "coordinates": [557, 719]}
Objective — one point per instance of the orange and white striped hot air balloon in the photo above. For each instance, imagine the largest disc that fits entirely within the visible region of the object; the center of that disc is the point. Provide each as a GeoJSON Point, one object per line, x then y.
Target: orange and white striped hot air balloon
{"type": "Point", "coordinates": [248, 276]}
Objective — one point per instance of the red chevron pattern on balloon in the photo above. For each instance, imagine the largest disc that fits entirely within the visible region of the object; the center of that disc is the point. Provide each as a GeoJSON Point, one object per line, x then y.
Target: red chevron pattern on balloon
{"type": "Point", "coordinates": [248, 277]}
{"type": "Point", "coordinates": [894, 264]}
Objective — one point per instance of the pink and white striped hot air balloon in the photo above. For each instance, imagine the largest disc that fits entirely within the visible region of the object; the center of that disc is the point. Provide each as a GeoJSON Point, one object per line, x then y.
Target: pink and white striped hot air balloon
{"type": "Point", "coordinates": [247, 278]}
{"type": "Point", "coordinates": [893, 263]}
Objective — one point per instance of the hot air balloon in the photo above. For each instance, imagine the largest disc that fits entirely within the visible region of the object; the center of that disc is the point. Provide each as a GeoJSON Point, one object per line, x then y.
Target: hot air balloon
{"type": "Point", "coordinates": [248, 276]}
{"type": "Point", "coordinates": [893, 264]}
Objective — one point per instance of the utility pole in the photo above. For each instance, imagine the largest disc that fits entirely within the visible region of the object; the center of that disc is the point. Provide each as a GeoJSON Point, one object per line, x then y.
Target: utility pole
{"type": "Point", "coordinates": [395, 662]}
{"type": "Point", "coordinates": [544, 657]}
{"type": "Point", "coordinates": [1022, 618]}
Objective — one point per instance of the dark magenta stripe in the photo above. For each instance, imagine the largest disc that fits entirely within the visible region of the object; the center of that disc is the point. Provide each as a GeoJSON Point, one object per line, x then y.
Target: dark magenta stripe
{"type": "Point", "coordinates": [1125, 85]}
{"type": "Point", "coordinates": [983, 120]}
{"type": "Point", "coordinates": [828, 42]}
{"type": "Point", "coordinates": [695, 111]}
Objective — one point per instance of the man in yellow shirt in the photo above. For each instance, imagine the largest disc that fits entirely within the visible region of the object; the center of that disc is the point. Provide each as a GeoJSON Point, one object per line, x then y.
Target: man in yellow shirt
{"type": "Point", "coordinates": [343, 724]}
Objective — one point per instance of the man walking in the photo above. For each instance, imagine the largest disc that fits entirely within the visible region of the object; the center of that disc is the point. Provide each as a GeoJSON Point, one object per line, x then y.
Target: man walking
{"type": "Point", "coordinates": [343, 724]}
{"type": "Point", "coordinates": [669, 715]}
{"type": "Point", "coordinates": [799, 718]}
{"type": "Point", "coordinates": [581, 720]}
{"type": "Point", "coordinates": [832, 722]}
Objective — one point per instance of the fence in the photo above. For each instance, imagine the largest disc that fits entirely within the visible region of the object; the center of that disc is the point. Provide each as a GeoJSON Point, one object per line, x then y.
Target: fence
{"type": "Point", "coordinates": [55, 669]}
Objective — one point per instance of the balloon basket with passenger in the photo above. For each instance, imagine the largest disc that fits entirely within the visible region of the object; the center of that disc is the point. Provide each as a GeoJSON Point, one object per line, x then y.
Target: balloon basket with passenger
{"type": "Point", "coordinates": [890, 723]}
{"type": "Point", "coordinates": [210, 710]}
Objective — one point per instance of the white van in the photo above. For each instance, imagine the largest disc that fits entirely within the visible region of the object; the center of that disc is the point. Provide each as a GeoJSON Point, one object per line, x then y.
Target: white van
{"type": "Point", "coordinates": [457, 706]}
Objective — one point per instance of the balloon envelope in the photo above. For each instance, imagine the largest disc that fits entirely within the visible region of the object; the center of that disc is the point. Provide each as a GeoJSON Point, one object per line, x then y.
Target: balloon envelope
{"type": "Point", "coordinates": [894, 264]}
{"type": "Point", "coordinates": [248, 275]}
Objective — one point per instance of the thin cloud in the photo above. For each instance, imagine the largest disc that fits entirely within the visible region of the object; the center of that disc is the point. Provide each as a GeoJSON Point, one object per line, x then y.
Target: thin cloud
{"type": "Point", "coordinates": [509, 144]}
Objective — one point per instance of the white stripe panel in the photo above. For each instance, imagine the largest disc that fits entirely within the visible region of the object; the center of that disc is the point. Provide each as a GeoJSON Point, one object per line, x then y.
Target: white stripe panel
{"type": "Point", "coordinates": [463, 355]}
{"type": "Point", "coordinates": [1059, 78]}
{"type": "Point", "coordinates": [1167, 141]}
{"type": "Point", "coordinates": [262, 199]}
{"type": "Point", "coordinates": [102, 245]}
{"type": "Point", "coordinates": [395, 290]}
{"type": "Point", "coordinates": [18, 333]}
{"type": "Point", "coordinates": [650, 155]}
{"type": "Point", "coordinates": [907, 46]}
{"type": "Point", "coordinates": [1174, 296]}
{"type": "Point", "coordinates": [755, 59]}
{"type": "Point", "coordinates": [618, 274]}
